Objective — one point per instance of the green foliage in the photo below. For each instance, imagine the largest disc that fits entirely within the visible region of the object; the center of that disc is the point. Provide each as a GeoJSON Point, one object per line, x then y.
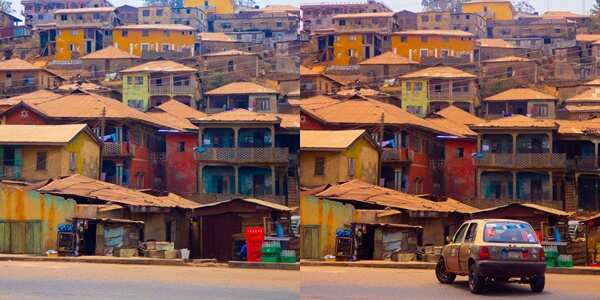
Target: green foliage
{"type": "Point", "coordinates": [524, 7]}
{"type": "Point", "coordinates": [453, 5]}
{"type": "Point", "coordinates": [596, 8]}
{"type": "Point", "coordinates": [6, 6]}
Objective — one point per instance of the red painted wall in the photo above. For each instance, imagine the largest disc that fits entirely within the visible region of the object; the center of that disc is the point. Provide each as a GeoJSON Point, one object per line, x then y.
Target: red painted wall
{"type": "Point", "coordinates": [309, 123]}
{"type": "Point", "coordinates": [23, 116]}
{"type": "Point", "coordinates": [459, 173]}
{"type": "Point", "coordinates": [181, 174]}
{"type": "Point", "coordinates": [419, 168]}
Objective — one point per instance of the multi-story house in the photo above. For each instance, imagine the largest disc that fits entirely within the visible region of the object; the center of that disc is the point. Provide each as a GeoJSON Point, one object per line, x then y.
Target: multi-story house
{"type": "Point", "coordinates": [81, 31]}
{"type": "Point", "coordinates": [432, 89]}
{"type": "Point", "coordinates": [491, 9]}
{"type": "Point", "coordinates": [496, 48]}
{"type": "Point", "coordinates": [40, 152]}
{"type": "Point", "coordinates": [386, 66]}
{"type": "Point", "coordinates": [332, 156]}
{"type": "Point", "coordinates": [127, 14]}
{"type": "Point", "coordinates": [246, 154]}
{"type": "Point", "coordinates": [38, 12]}
{"type": "Point", "coordinates": [108, 60]}
{"type": "Point", "coordinates": [518, 160]}
{"type": "Point", "coordinates": [584, 22]}
{"type": "Point", "coordinates": [164, 14]}
{"type": "Point", "coordinates": [420, 45]}
{"type": "Point", "coordinates": [506, 72]}
{"type": "Point", "coordinates": [520, 101]}
{"type": "Point", "coordinates": [433, 20]}
{"type": "Point", "coordinates": [469, 22]}
{"type": "Point", "coordinates": [154, 14]}
{"type": "Point", "coordinates": [156, 40]}
{"type": "Point", "coordinates": [180, 145]}
{"type": "Point", "coordinates": [242, 95]}
{"type": "Point", "coordinates": [319, 16]}
{"type": "Point", "coordinates": [583, 106]}
{"type": "Point", "coordinates": [10, 28]}
{"type": "Point", "coordinates": [213, 6]}
{"type": "Point", "coordinates": [220, 68]}
{"type": "Point", "coordinates": [460, 143]}
{"type": "Point", "coordinates": [361, 36]}
{"type": "Point", "coordinates": [411, 155]}
{"type": "Point", "coordinates": [18, 77]}
{"type": "Point", "coordinates": [313, 83]}
{"type": "Point", "coordinates": [133, 149]}
{"type": "Point", "coordinates": [211, 42]}
{"type": "Point", "coordinates": [153, 83]}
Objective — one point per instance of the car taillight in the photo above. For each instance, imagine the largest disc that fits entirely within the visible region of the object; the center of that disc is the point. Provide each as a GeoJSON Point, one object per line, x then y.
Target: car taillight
{"type": "Point", "coordinates": [484, 253]}
{"type": "Point", "coordinates": [542, 254]}
{"type": "Point", "coordinates": [525, 254]}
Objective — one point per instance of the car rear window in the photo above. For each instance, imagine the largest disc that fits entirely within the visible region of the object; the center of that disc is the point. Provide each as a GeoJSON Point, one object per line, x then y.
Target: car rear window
{"type": "Point", "coordinates": [509, 232]}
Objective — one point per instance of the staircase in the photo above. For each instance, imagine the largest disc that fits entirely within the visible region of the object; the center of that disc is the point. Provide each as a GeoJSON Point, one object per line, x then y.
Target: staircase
{"type": "Point", "coordinates": [570, 195]}
{"type": "Point", "coordinates": [293, 193]}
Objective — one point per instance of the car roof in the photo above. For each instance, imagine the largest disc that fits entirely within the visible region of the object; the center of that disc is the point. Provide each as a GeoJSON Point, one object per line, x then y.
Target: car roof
{"type": "Point", "coordinates": [495, 220]}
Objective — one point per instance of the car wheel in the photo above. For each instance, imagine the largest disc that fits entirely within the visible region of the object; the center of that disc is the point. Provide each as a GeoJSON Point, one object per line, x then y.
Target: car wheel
{"type": "Point", "coordinates": [537, 283]}
{"type": "Point", "coordinates": [442, 274]}
{"type": "Point", "coordinates": [476, 282]}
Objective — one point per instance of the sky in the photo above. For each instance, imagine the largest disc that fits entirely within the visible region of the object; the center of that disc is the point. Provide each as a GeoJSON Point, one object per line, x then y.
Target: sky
{"type": "Point", "coordinates": [412, 5]}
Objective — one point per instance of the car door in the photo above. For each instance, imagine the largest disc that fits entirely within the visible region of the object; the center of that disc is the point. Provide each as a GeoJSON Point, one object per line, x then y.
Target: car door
{"type": "Point", "coordinates": [466, 247]}
{"type": "Point", "coordinates": [453, 249]}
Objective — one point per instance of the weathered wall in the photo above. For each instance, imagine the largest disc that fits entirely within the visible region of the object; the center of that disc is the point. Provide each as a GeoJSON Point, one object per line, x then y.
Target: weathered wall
{"type": "Point", "coordinates": [500, 10]}
{"type": "Point", "coordinates": [456, 45]}
{"type": "Point", "coordinates": [87, 156]}
{"type": "Point", "coordinates": [459, 172]}
{"type": "Point", "coordinates": [136, 92]}
{"type": "Point", "coordinates": [413, 100]}
{"type": "Point", "coordinates": [329, 216]}
{"type": "Point", "coordinates": [22, 116]}
{"type": "Point", "coordinates": [19, 205]}
{"type": "Point", "coordinates": [132, 42]}
{"type": "Point", "coordinates": [180, 168]}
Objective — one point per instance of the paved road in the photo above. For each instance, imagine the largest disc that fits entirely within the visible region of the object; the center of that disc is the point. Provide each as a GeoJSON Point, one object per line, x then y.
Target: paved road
{"type": "Point", "coordinates": [50, 280]}
{"type": "Point", "coordinates": [379, 284]}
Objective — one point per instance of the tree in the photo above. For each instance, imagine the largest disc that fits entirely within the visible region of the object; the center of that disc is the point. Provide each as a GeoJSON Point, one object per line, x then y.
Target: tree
{"type": "Point", "coordinates": [524, 7]}
{"type": "Point", "coordinates": [453, 5]}
{"type": "Point", "coordinates": [6, 6]}
{"type": "Point", "coordinates": [171, 3]}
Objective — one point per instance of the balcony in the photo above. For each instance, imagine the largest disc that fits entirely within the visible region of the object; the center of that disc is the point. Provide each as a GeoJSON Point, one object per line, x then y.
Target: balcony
{"type": "Point", "coordinates": [18, 90]}
{"type": "Point", "coordinates": [391, 155]}
{"type": "Point", "coordinates": [454, 96]}
{"type": "Point", "coordinates": [8, 172]}
{"type": "Point", "coordinates": [522, 160]}
{"type": "Point", "coordinates": [244, 155]}
{"type": "Point", "coordinates": [115, 149]}
{"type": "Point", "coordinates": [583, 164]}
{"type": "Point", "coordinates": [172, 90]}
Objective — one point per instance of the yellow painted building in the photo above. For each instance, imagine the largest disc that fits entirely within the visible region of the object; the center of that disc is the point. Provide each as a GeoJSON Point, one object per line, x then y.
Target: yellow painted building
{"type": "Point", "coordinates": [418, 44]}
{"type": "Point", "coordinates": [328, 157]}
{"type": "Point", "coordinates": [491, 9]}
{"type": "Point", "coordinates": [29, 219]}
{"type": "Point", "coordinates": [212, 6]}
{"type": "Point", "coordinates": [74, 42]}
{"type": "Point", "coordinates": [39, 152]}
{"type": "Point", "coordinates": [136, 39]}
{"type": "Point", "coordinates": [320, 219]}
{"type": "Point", "coordinates": [351, 48]}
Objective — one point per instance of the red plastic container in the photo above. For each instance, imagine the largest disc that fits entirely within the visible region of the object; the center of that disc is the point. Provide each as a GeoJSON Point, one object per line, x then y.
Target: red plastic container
{"type": "Point", "coordinates": [254, 240]}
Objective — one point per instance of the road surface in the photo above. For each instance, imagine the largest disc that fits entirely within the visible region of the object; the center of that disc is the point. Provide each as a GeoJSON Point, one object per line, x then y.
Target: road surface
{"type": "Point", "coordinates": [381, 284]}
{"type": "Point", "coordinates": [61, 280]}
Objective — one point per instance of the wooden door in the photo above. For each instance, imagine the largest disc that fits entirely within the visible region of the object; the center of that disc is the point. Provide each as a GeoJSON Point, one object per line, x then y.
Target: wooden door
{"type": "Point", "coordinates": [310, 242]}
{"type": "Point", "coordinates": [33, 243]}
{"type": "Point", "coordinates": [217, 235]}
{"type": "Point", "coordinates": [18, 237]}
{"type": "Point", "coordinates": [4, 237]}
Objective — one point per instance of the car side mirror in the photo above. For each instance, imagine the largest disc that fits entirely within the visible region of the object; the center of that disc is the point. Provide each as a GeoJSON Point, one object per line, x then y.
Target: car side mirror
{"type": "Point", "coordinates": [448, 240]}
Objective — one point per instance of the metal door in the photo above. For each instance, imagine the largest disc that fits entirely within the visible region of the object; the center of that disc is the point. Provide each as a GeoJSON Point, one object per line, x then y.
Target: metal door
{"type": "Point", "coordinates": [4, 237]}
{"type": "Point", "coordinates": [18, 237]}
{"type": "Point", "coordinates": [310, 242]}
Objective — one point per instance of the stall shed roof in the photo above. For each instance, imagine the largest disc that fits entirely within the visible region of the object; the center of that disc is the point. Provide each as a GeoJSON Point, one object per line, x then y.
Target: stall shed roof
{"type": "Point", "coordinates": [81, 186]}
{"type": "Point", "coordinates": [259, 202]}
{"type": "Point", "coordinates": [362, 192]}
{"type": "Point", "coordinates": [541, 208]}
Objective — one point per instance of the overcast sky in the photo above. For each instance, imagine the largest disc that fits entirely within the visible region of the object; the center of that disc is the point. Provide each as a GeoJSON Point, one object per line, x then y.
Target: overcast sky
{"type": "Point", "coordinates": [413, 5]}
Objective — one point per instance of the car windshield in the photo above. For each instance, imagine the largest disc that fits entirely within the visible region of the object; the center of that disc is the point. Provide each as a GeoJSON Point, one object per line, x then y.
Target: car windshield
{"type": "Point", "coordinates": [509, 232]}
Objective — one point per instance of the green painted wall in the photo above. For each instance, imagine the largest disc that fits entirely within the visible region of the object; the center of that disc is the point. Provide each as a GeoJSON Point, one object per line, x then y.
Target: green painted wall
{"type": "Point", "coordinates": [415, 98]}
{"type": "Point", "coordinates": [136, 92]}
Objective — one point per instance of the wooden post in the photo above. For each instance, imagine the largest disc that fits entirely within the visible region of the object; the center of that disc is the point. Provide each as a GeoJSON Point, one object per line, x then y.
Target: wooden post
{"type": "Point", "coordinates": [514, 185]}
{"type": "Point", "coordinates": [551, 181]}
{"type": "Point", "coordinates": [273, 180]}
{"type": "Point", "coordinates": [380, 164]}
{"type": "Point", "coordinates": [236, 180]}
{"type": "Point", "coordinates": [102, 129]}
{"type": "Point", "coordinates": [514, 148]}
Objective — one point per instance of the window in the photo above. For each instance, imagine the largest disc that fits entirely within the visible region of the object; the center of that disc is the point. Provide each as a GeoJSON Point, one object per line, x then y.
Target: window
{"type": "Point", "coordinates": [166, 47]}
{"type": "Point", "coordinates": [124, 33]}
{"type": "Point", "coordinates": [509, 232]}
{"type": "Point", "coordinates": [424, 53]}
{"type": "Point", "coordinates": [145, 47]}
{"type": "Point", "coordinates": [145, 32]}
{"type": "Point", "coordinates": [279, 24]}
{"type": "Point", "coordinates": [351, 166]}
{"type": "Point", "coordinates": [159, 12]}
{"type": "Point", "coordinates": [74, 32]}
{"type": "Point", "coordinates": [350, 52]}
{"type": "Point", "coordinates": [403, 38]}
{"type": "Point", "coordinates": [342, 22]}
{"type": "Point", "coordinates": [137, 104]}
{"type": "Point", "coordinates": [425, 18]}
{"type": "Point", "coordinates": [460, 234]}
{"type": "Point", "coordinates": [181, 147]}
{"type": "Point", "coordinates": [471, 232]}
{"type": "Point", "coordinates": [230, 66]}
{"type": "Point", "coordinates": [352, 37]}
{"type": "Point", "coordinates": [63, 17]}
{"type": "Point", "coordinates": [540, 110]}
{"type": "Point", "coordinates": [438, 18]}
{"type": "Point", "coordinates": [41, 161]}
{"type": "Point", "coordinates": [460, 152]}
{"type": "Point", "coordinates": [445, 53]}
{"type": "Point", "coordinates": [145, 13]}
{"type": "Point", "coordinates": [72, 47]}
{"type": "Point", "coordinates": [96, 16]}
{"type": "Point", "coordinates": [139, 180]}
{"type": "Point", "coordinates": [28, 80]}
{"type": "Point", "coordinates": [263, 104]}
{"type": "Point", "coordinates": [460, 87]}
{"type": "Point", "coordinates": [72, 161]}
{"type": "Point", "coordinates": [509, 72]}
{"type": "Point", "coordinates": [166, 33]}
{"type": "Point", "coordinates": [408, 86]}
{"type": "Point", "coordinates": [424, 39]}
{"type": "Point", "coordinates": [418, 87]}
{"type": "Point", "coordinates": [139, 80]}
{"type": "Point", "coordinates": [437, 88]}
{"type": "Point", "coordinates": [319, 166]}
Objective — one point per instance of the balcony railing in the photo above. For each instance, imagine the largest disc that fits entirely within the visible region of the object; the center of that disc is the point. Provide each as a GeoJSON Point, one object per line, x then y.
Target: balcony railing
{"type": "Point", "coordinates": [582, 164]}
{"type": "Point", "coordinates": [244, 155]}
{"type": "Point", "coordinates": [172, 89]}
{"type": "Point", "coordinates": [456, 96]}
{"type": "Point", "coordinates": [8, 172]}
{"type": "Point", "coordinates": [396, 155]}
{"type": "Point", "coordinates": [523, 160]}
{"type": "Point", "coordinates": [116, 149]}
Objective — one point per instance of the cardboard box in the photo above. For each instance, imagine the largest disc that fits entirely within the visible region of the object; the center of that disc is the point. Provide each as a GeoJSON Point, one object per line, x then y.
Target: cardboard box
{"type": "Point", "coordinates": [164, 246]}
{"type": "Point", "coordinates": [171, 254]}
{"type": "Point", "coordinates": [126, 252]}
{"type": "Point", "coordinates": [154, 253]}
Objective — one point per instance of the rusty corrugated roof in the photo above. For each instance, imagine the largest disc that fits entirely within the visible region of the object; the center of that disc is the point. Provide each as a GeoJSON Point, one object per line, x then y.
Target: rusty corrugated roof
{"type": "Point", "coordinates": [156, 27]}
{"type": "Point", "coordinates": [81, 186]}
{"type": "Point", "coordinates": [239, 115]}
{"type": "Point", "coordinates": [39, 134]}
{"type": "Point", "coordinates": [17, 64]}
{"type": "Point", "coordinates": [507, 59]}
{"type": "Point", "coordinates": [520, 94]}
{"type": "Point", "coordinates": [110, 52]}
{"type": "Point", "coordinates": [388, 58]}
{"type": "Point", "coordinates": [362, 192]}
{"type": "Point", "coordinates": [364, 15]}
{"type": "Point", "coordinates": [517, 121]}
{"type": "Point", "coordinates": [494, 43]}
{"type": "Point", "coordinates": [589, 95]}
{"type": "Point", "coordinates": [239, 88]}
{"type": "Point", "coordinates": [438, 72]}
{"type": "Point", "coordinates": [542, 208]}
{"type": "Point", "coordinates": [459, 33]}
{"type": "Point", "coordinates": [176, 114]}
{"type": "Point", "coordinates": [259, 202]}
{"type": "Point", "coordinates": [328, 139]}
{"type": "Point", "coordinates": [167, 66]}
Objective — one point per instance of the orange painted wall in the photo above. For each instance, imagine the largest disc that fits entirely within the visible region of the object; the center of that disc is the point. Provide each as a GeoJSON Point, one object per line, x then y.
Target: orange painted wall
{"type": "Point", "coordinates": [132, 42]}
{"type": "Point", "coordinates": [414, 43]}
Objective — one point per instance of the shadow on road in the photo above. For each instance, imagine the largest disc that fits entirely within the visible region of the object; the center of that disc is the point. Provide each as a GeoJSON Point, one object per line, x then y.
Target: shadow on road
{"type": "Point", "coordinates": [501, 289]}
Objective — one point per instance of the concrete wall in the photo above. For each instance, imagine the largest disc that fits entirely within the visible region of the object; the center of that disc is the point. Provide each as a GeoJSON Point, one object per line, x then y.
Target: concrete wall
{"type": "Point", "coordinates": [181, 173]}
{"type": "Point", "coordinates": [459, 172]}
{"type": "Point", "coordinates": [19, 205]}
{"type": "Point", "coordinates": [136, 92]}
{"type": "Point", "coordinates": [132, 43]}
{"type": "Point", "coordinates": [457, 46]}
